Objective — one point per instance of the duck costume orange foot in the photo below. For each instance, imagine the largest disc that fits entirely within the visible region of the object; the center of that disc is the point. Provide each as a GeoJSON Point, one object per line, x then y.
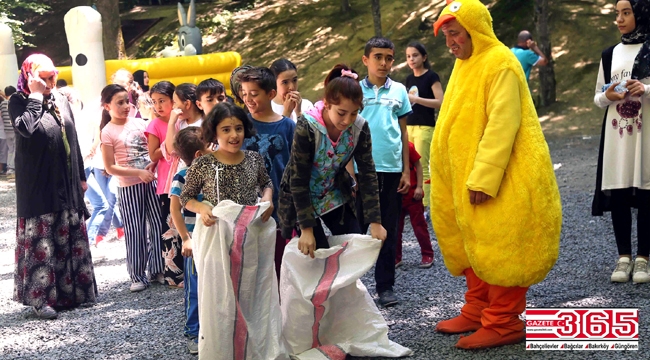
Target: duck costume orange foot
{"type": "Point", "coordinates": [495, 204]}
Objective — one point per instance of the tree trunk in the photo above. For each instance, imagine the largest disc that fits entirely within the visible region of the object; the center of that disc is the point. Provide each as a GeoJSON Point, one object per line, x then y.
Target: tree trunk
{"type": "Point", "coordinates": [112, 29]}
{"type": "Point", "coordinates": [546, 73]}
{"type": "Point", "coordinates": [376, 17]}
{"type": "Point", "coordinates": [345, 6]}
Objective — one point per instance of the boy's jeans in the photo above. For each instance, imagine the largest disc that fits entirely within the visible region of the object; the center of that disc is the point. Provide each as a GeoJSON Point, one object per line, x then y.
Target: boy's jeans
{"type": "Point", "coordinates": [99, 204]}
{"type": "Point", "coordinates": [108, 184]}
{"type": "Point", "coordinates": [191, 299]}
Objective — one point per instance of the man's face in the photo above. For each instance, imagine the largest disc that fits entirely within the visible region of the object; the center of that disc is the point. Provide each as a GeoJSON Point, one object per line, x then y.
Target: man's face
{"type": "Point", "coordinates": [458, 40]}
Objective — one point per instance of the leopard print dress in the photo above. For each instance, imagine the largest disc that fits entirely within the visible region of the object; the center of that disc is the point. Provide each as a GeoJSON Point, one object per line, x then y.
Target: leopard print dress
{"type": "Point", "coordinates": [241, 183]}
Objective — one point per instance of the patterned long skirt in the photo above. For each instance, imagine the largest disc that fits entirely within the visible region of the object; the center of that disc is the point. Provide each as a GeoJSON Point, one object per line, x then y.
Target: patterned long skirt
{"type": "Point", "coordinates": [53, 262]}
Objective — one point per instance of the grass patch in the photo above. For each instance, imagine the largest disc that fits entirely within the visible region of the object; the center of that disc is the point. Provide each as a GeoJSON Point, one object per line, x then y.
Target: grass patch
{"type": "Point", "coordinates": [315, 35]}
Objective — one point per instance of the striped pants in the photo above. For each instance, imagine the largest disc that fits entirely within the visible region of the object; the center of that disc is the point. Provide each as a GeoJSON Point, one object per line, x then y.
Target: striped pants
{"type": "Point", "coordinates": [140, 208]}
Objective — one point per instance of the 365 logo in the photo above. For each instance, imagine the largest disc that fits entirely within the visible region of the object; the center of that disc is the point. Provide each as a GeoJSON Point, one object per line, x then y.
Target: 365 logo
{"type": "Point", "coordinates": [582, 329]}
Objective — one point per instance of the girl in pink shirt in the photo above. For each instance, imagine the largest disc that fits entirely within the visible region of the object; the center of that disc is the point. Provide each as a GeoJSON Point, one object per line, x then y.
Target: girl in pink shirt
{"type": "Point", "coordinates": [126, 156]}
{"type": "Point", "coordinates": [162, 96]}
{"type": "Point", "coordinates": [185, 113]}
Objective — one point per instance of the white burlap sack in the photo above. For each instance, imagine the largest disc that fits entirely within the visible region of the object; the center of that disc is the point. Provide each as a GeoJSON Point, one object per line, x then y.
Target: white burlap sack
{"type": "Point", "coordinates": [239, 310]}
{"type": "Point", "coordinates": [326, 310]}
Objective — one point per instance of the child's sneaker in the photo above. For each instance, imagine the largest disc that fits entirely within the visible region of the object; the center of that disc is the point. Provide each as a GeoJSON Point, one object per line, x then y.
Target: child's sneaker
{"type": "Point", "coordinates": [623, 269]}
{"type": "Point", "coordinates": [193, 345]}
{"type": "Point", "coordinates": [640, 271]}
{"type": "Point", "coordinates": [98, 239]}
{"type": "Point", "coordinates": [137, 286]}
{"type": "Point", "coordinates": [159, 278]}
{"type": "Point", "coordinates": [427, 262]}
{"type": "Point", "coordinates": [120, 233]}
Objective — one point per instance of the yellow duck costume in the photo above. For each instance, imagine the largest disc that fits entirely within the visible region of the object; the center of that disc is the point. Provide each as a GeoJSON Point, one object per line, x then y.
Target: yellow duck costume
{"type": "Point", "coordinates": [488, 139]}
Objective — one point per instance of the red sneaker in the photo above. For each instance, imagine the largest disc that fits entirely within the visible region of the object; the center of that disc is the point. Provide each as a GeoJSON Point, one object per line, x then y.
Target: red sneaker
{"type": "Point", "coordinates": [120, 233]}
{"type": "Point", "coordinates": [427, 262]}
{"type": "Point", "coordinates": [98, 239]}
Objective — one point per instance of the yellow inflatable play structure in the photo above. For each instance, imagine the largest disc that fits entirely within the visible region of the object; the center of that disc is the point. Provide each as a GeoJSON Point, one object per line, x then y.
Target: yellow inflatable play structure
{"type": "Point", "coordinates": [89, 72]}
{"type": "Point", "coordinates": [185, 69]}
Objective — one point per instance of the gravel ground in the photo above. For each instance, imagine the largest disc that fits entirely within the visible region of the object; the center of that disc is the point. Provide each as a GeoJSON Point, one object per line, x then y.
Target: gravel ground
{"type": "Point", "coordinates": [149, 324]}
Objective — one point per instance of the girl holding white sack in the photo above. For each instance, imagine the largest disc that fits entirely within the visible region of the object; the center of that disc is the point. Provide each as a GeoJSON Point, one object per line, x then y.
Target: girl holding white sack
{"type": "Point", "coordinates": [239, 309]}
{"type": "Point", "coordinates": [316, 184]}
{"type": "Point", "coordinates": [327, 312]}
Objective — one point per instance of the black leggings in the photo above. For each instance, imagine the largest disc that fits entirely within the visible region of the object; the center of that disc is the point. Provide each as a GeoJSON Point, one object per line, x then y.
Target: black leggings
{"type": "Point", "coordinates": [621, 200]}
{"type": "Point", "coordinates": [333, 220]}
{"type": "Point", "coordinates": [390, 202]}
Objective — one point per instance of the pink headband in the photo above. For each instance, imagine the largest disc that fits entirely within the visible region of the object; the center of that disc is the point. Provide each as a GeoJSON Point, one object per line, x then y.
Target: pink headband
{"type": "Point", "coordinates": [349, 73]}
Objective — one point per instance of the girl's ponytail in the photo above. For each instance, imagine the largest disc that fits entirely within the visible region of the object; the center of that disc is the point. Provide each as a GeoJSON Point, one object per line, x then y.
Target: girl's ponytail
{"type": "Point", "coordinates": [106, 118]}
{"type": "Point", "coordinates": [107, 96]}
{"type": "Point", "coordinates": [343, 82]}
{"type": "Point", "coordinates": [187, 92]}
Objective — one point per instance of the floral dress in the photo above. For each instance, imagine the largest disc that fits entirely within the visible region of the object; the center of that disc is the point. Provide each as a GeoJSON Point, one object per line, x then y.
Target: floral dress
{"type": "Point", "coordinates": [53, 263]}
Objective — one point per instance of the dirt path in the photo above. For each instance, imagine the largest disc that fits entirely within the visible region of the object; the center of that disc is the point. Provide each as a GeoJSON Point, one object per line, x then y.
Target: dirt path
{"type": "Point", "coordinates": [149, 324]}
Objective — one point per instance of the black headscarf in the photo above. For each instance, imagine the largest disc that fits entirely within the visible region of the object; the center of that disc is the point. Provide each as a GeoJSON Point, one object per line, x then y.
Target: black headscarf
{"type": "Point", "coordinates": [641, 34]}
{"type": "Point", "coordinates": [138, 77]}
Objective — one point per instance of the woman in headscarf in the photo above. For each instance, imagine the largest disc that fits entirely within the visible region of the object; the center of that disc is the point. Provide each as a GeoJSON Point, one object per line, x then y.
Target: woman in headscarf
{"type": "Point", "coordinates": [623, 177]}
{"type": "Point", "coordinates": [54, 269]}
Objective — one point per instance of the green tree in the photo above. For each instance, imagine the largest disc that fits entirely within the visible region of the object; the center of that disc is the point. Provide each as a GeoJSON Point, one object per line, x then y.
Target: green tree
{"type": "Point", "coordinates": [546, 73]}
{"type": "Point", "coordinates": [345, 5]}
{"type": "Point", "coordinates": [112, 29]}
{"type": "Point", "coordinates": [8, 9]}
{"type": "Point", "coordinates": [376, 16]}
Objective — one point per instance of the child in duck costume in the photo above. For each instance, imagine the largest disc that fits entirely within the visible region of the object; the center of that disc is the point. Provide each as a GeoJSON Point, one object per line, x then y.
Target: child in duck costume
{"type": "Point", "coordinates": [495, 204]}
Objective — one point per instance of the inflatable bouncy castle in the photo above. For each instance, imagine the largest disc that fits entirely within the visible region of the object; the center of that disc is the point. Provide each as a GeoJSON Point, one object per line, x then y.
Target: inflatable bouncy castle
{"type": "Point", "coordinates": [90, 72]}
{"type": "Point", "coordinates": [8, 61]}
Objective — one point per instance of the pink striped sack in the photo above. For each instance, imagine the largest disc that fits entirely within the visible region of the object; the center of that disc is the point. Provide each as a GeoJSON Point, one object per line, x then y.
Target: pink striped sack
{"type": "Point", "coordinates": [327, 312]}
{"type": "Point", "coordinates": [239, 309]}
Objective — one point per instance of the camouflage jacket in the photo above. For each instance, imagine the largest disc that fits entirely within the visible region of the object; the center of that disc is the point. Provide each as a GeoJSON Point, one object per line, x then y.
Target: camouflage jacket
{"type": "Point", "coordinates": [295, 207]}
